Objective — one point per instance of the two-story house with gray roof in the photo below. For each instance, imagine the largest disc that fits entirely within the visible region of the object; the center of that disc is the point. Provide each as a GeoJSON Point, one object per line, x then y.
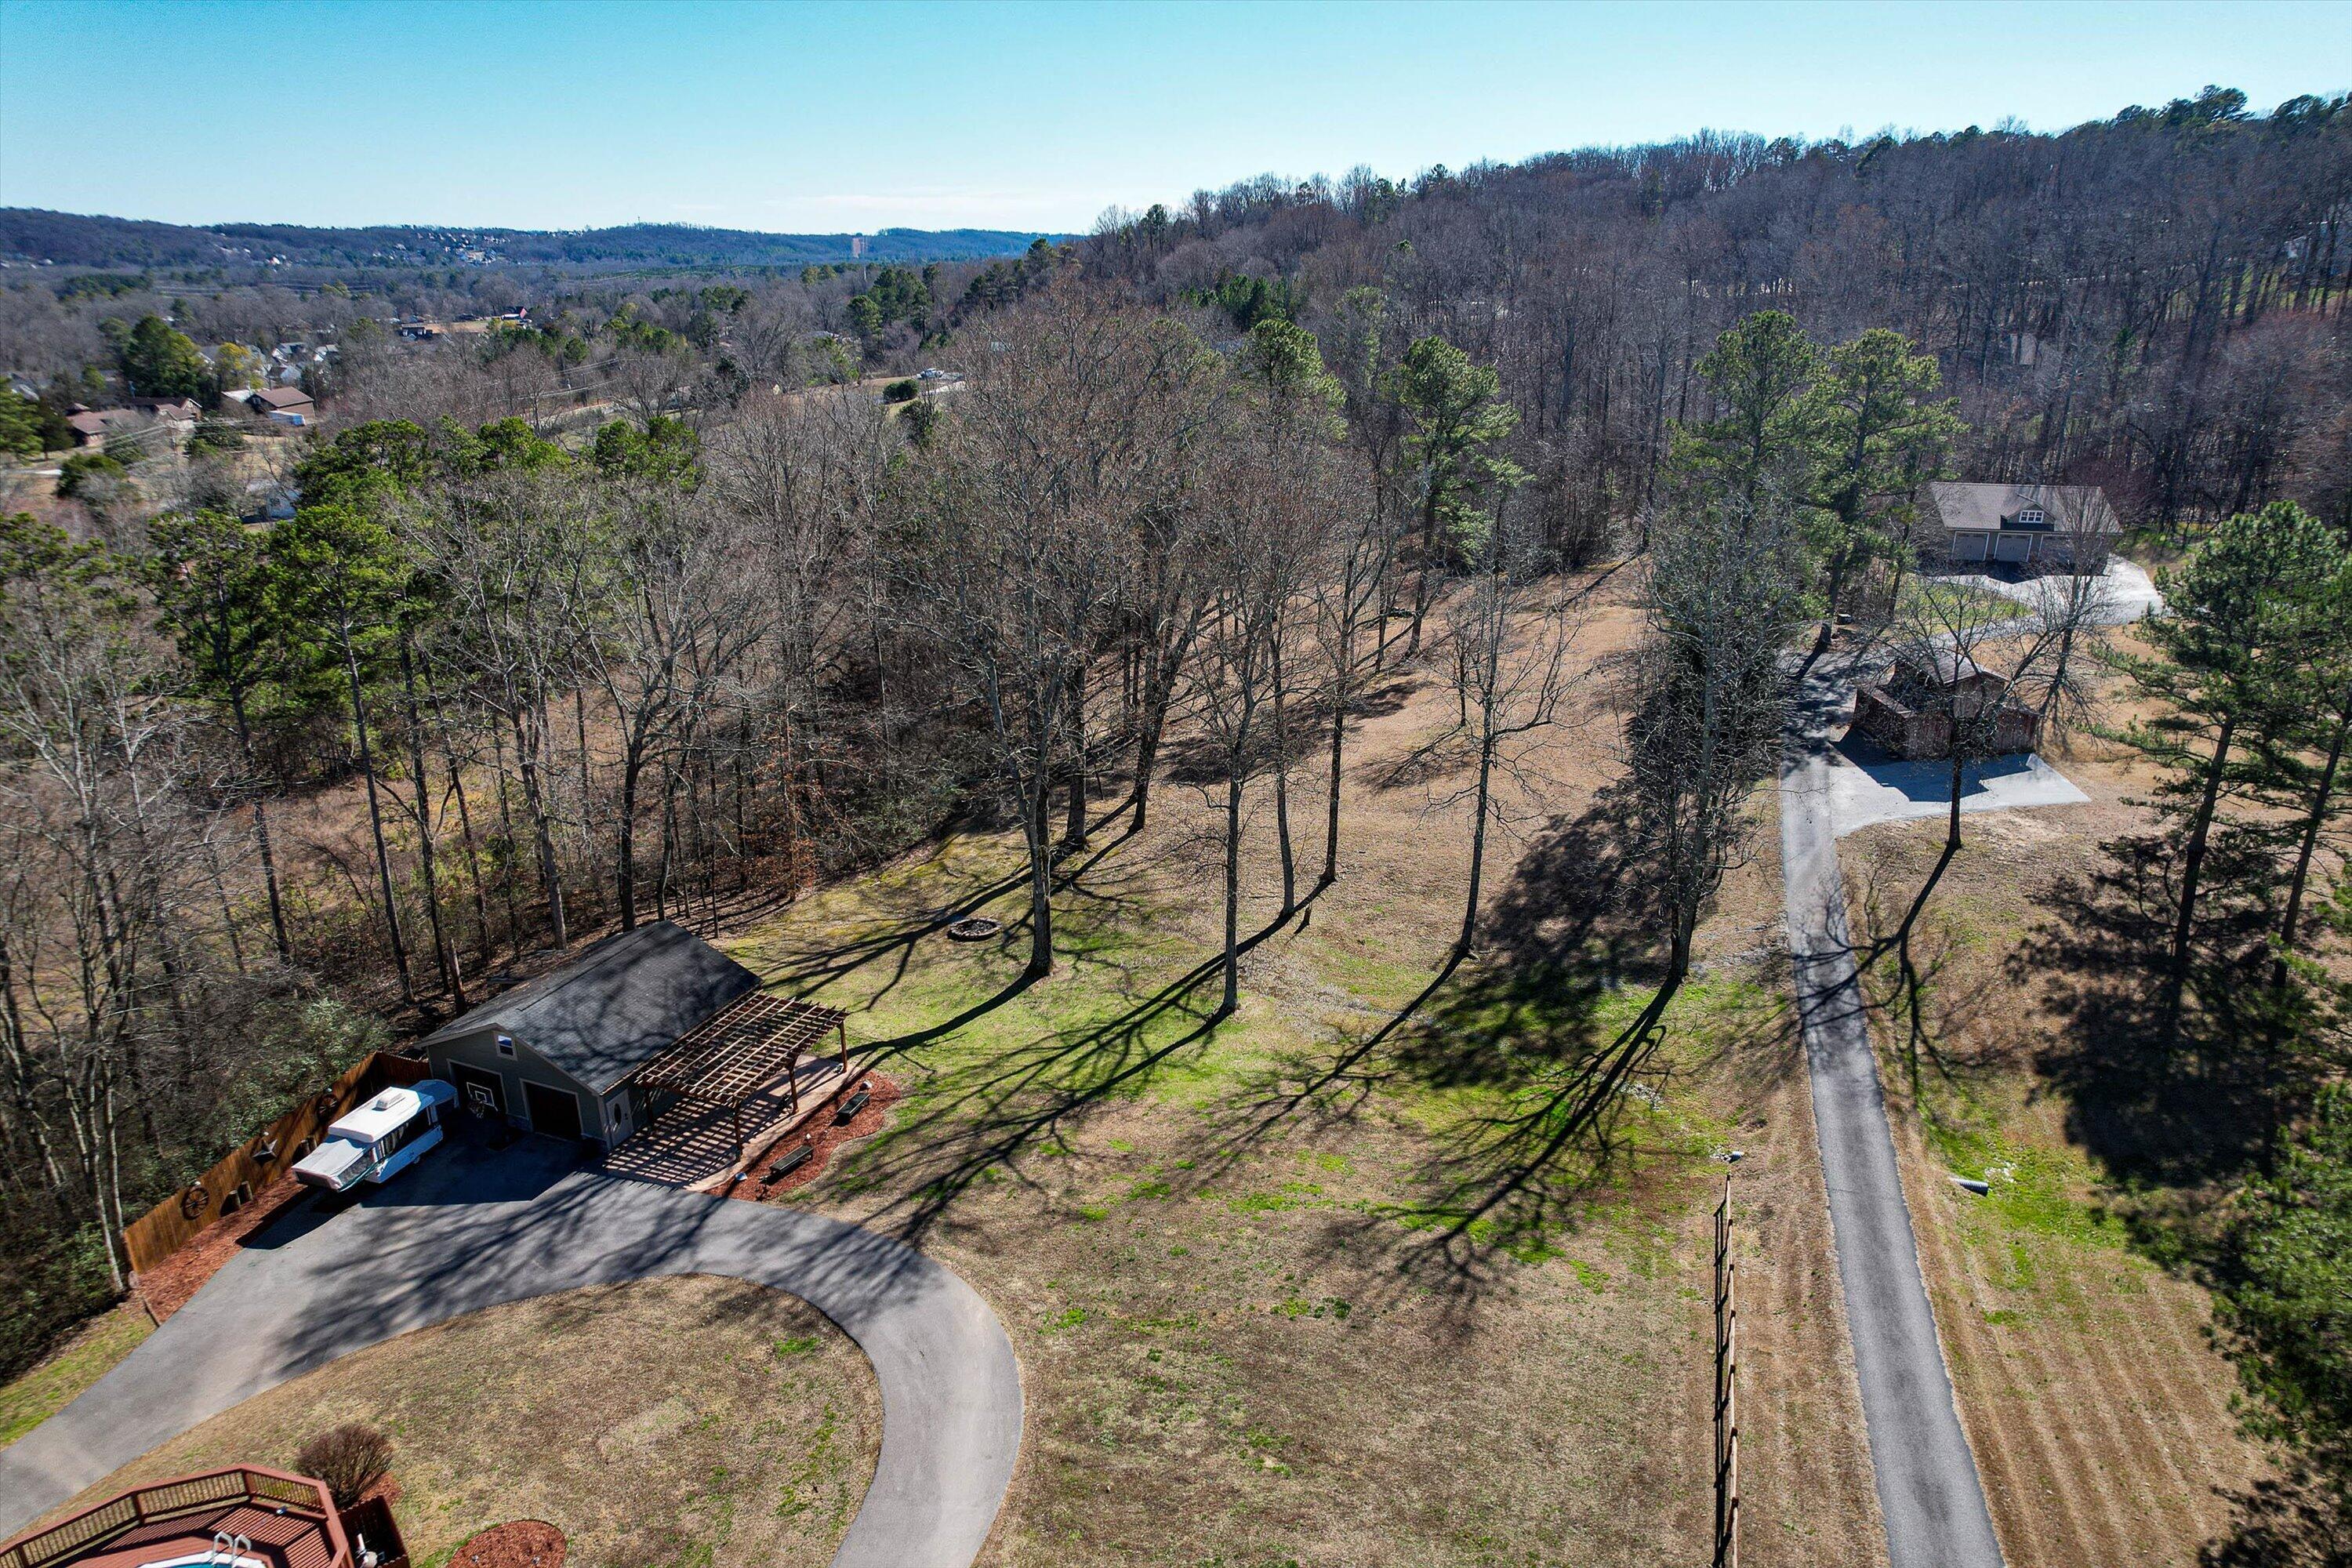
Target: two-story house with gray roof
{"type": "Point", "coordinates": [2019, 525]}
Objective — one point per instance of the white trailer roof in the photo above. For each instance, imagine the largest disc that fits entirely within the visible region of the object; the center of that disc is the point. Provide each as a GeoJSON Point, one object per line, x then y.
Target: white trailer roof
{"type": "Point", "coordinates": [389, 1110]}
{"type": "Point", "coordinates": [335, 1164]}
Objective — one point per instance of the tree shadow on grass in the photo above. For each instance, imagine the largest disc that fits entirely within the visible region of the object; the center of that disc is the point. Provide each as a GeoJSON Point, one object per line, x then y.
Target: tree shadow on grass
{"type": "Point", "coordinates": [1193, 758]}
{"type": "Point", "coordinates": [1523, 1030]}
{"type": "Point", "coordinates": [1944, 1020]}
{"type": "Point", "coordinates": [1586, 1114]}
{"type": "Point", "coordinates": [808, 968]}
{"type": "Point", "coordinates": [2180, 1106]}
{"type": "Point", "coordinates": [1562, 923]}
{"type": "Point", "coordinates": [2295, 1520]}
{"type": "Point", "coordinates": [982, 1124]}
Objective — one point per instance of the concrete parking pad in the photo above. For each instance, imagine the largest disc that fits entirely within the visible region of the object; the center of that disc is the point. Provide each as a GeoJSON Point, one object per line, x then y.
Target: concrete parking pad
{"type": "Point", "coordinates": [2124, 593]}
{"type": "Point", "coordinates": [1865, 785]}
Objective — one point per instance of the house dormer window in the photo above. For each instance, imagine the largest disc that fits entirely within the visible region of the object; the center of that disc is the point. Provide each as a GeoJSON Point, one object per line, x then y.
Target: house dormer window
{"type": "Point", "coordinates": [2030, 517]}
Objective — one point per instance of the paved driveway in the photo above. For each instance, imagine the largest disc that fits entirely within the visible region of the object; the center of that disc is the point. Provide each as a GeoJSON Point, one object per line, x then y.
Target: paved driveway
{"type": "Point", "coordinates": [469, 1228]}
{"type": "Point", "coordinates": [1928, 1489]}
{"type": "Point", "coordinates": [2125, 592]}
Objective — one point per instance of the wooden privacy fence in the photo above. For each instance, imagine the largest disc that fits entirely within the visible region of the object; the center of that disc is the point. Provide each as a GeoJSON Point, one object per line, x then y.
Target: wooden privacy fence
{"type": "Point", "coordinates": [231, 1184]}
{"type": "Point", "coordinates": [1726, 1389]}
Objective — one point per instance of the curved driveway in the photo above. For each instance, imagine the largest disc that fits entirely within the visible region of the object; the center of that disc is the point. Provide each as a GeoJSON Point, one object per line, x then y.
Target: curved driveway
{"type": "Point", "coordinates": [469, 1228]}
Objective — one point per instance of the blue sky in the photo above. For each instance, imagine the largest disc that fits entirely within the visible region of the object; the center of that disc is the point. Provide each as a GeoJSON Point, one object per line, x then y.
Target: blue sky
{"type": "Point", "coordinates": [833, 117]}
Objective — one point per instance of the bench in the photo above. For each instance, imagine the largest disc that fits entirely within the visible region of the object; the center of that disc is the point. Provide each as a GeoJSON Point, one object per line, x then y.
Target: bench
{"type": "Point", "coordinates": [852, 1106]}
{"type": "Point", "coordinates": [785, 1165]}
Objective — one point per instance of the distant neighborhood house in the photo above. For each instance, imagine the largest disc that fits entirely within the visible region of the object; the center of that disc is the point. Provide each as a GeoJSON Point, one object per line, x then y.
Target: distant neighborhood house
{"type": "Point", "coordinates": [93, 427]}
{"type": "Point", "coordinates": [2020, 524]}
{"type": "Point", "coordinates": [283, 404]}
{"type": "Point", "coordinates": [179, 412]}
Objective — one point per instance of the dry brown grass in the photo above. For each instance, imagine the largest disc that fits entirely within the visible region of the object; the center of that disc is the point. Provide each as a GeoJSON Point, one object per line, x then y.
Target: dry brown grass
{"type": "Point", "coordinates": [1211, 1247]}
{"type": "Point", "coordinates": [2096, 1406]}
{"type": "Point", "coordinates": [690, 1420]}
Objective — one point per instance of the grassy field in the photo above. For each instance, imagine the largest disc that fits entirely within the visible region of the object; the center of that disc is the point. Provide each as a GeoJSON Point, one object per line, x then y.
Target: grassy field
{"type": "Point", "coordinates": [2098, 1410]}
{"type": "Point", "coordinates": [694, 1421]}
{"type": "Point", "coordinates": [51, 1383]}
{"type": "Point", "coordinates": [1296, 1285]}
{"type": "Point", "coordinates": [1263, 1310]}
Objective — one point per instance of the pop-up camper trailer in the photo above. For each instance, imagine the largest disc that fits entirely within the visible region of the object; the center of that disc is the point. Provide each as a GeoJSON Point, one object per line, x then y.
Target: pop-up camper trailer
{"type": "Point", "coordinates": [379, 1140]}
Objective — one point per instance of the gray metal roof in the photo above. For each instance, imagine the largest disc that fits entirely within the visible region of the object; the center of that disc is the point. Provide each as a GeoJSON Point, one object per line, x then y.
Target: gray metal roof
{"type": "Point", "coordinates": [608, 1011]}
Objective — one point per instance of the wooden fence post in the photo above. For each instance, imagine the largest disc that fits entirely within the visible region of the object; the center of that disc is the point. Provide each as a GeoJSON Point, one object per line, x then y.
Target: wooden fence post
{"type": "Point", "coordinates": [1726, 1389]}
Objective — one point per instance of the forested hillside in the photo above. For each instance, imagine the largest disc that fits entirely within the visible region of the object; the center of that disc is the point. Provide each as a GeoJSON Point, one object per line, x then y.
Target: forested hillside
{"type": "Point", "coordinates": [2151, 302]}
{"type": "Point", "coordinates": [71, 239]}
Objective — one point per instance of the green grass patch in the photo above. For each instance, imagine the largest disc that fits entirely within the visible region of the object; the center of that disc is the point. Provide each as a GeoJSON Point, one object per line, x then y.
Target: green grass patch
{"type": "Point", "coordinates": [2033, 1189]}
{"type": "Point", "coordinates": [54, 1382]}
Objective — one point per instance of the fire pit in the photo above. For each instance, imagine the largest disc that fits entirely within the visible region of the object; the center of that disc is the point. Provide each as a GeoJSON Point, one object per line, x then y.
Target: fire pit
{"type": "Point", "coordinates": [974, 928]}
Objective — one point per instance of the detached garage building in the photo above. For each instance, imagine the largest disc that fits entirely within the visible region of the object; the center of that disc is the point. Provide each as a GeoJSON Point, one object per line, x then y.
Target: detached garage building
{"type": "Point", "coordinates": [561, 1054]}
{"type": "Point", "coordinates": [2020, 525]}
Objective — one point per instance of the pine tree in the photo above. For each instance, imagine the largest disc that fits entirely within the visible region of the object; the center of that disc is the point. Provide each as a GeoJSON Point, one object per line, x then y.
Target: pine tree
{"type": "Point", "coordinates": [2249, 620]}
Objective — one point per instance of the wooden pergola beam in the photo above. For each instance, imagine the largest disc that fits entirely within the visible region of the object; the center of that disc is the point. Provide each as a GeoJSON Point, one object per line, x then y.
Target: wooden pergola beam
{"type": "Point", "coordinates": [742, 1048]}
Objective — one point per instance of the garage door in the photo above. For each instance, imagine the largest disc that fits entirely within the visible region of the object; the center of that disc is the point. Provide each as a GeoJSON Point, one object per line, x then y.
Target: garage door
{"type": "Point", "coordinates": [554, 1111]}
{"type": "Point", "coordinates": [2015, 546]}
{"type": "Point", "coordinates": [1968, 546]}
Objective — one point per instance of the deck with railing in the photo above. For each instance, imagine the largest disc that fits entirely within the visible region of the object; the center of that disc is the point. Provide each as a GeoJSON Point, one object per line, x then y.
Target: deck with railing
{"type": "Point", "coordinates": [287, 1521]}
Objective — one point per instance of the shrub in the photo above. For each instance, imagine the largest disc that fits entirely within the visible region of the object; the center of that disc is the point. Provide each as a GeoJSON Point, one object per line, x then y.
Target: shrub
{"type": "Point", "coordinates": [900, 391]}
{"type": "Point", "coordinates": [217, 436]}
{"type": "Point", "coordinates": [85, 473]}
{"type": "Point", "coordinates": [349, 1459]}
{"type": "Point", "coordinates": [53, 1280]}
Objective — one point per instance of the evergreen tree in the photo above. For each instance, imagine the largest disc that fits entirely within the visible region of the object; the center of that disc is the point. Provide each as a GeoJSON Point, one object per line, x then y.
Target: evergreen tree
{"type": "Point", "coordinates": [158, 362]}
{"type": "Point", "coordinates": [663, 447]}
{"type": "Point", "coordinates": [1767, 434]}
{"type": "Point", "coordinates": [20, 425]}
{"type": "Point", "coordinates": [1880, 432]}
{"type": "Point", "coordinates": [345, 574]}
{"type": "Point", "coordinates": [1456, 413]}
{"type": "Point", "coordinates": [2249, 616]}
{"type": "Point", "coordinates": [219, 594]}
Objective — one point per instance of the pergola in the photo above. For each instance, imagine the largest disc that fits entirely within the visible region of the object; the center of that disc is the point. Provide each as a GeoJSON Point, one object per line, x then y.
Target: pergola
{"type": "Point", "coordinates": [742, 1048]}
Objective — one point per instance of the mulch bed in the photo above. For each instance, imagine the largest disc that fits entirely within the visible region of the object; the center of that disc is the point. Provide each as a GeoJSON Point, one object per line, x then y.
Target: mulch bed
{"type": "Point", "coordinates": [167, 1286]}
{"type": "Point", "coordinates": [828, 1135]}
{"type": "Point", "coordinates": [525, 1543]}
